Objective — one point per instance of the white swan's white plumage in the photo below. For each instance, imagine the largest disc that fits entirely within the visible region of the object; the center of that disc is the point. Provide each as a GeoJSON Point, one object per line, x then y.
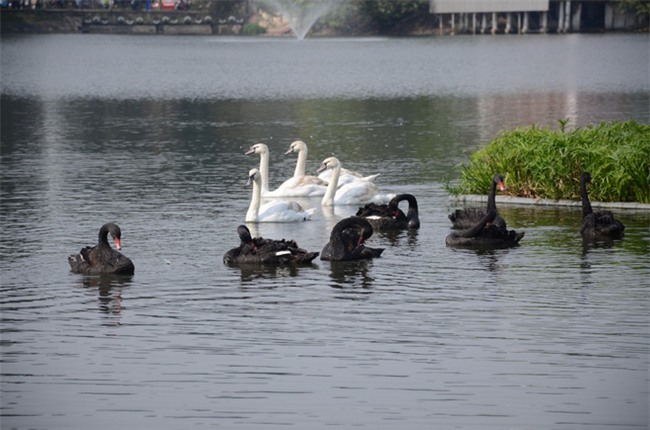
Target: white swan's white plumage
{"type": "Point", "coordinates": [273, 211]}
{"type": "Point", "coordinates": [346, 176]}
{"type": "Point", "coordinates": [360, 191]}
{"type": "Point", "coordinates": [300, 185]}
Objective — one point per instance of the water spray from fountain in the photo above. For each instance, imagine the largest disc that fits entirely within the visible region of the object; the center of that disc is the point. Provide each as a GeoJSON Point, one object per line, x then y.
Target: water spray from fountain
{"type": "Point", "coordinates": [301, 14]}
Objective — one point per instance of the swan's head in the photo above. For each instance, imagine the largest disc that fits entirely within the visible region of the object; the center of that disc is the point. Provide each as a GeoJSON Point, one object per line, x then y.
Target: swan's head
{"type": "Point", "coordinates": [498, 179]}
{"type": "Point", "coordinates": [115, 232]}
{"type": "Point", "coordinates": [585, 178]}
{"type": "Point", "coordinates": [297, 146]}
{"type": "Point", "coordinates": [245, 235]}
{"type": "Point", "coordinates": [329, 163]}
{"type": "Point", "coordinates": [253, 176]}
{"type": "Point", "coordinates": [258, 148]}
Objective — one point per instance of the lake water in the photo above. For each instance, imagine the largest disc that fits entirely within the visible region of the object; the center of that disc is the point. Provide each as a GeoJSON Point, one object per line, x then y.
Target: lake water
{"type": "Point", "coordinates": [150, 132]}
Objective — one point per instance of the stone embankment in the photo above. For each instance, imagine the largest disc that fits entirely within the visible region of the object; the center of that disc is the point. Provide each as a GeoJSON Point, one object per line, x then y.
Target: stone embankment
{"type": "Point", "coordinates": [117, 22]}
{"type": "Point", "coordinates": [475, 198]}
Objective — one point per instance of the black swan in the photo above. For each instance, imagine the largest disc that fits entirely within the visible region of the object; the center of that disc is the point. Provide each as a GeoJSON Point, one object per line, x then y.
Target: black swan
{"type": "Point", "coordinates": [601, 224]}
{"type": "Point", "coordinates": [469, 217]}
{"type": "Point", "coordinates": [484, 234]}
{"type": "Point", "coordinates": [346, 241]}
{"type": "Point", "coordinates": [390, 216]}
{"type": "Point", "coordinates": [101, 258]}
{"type": "Point", "coordinates": [266, 251]}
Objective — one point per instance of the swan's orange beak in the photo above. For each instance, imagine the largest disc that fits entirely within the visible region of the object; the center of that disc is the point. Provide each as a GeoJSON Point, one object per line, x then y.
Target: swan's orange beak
{"type": "Point", "coordinates": [501, 186]}
{"type": "Point", "coordinates": [118, 243]}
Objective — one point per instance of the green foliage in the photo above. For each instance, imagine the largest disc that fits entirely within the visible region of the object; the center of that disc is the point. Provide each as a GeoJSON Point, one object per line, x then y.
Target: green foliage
{"type": "Point", "coordinates": [639, 7]}
{"type": "Point", "coordinates": [252, 29]}
{"type": "Point", "coordinates": [388, 14]}
{"type": "Point", "coordinates": [542, 163]}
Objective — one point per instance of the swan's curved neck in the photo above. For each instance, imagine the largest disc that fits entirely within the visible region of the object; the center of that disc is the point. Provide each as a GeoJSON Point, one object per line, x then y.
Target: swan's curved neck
{"type": "Point", "coordinates": [103, 236]}
{"type": "Point", "coordinates": [478, 228]}
{"type": "Point", "coordinates": [586, 204]}
{"type": "Point", "coordinates": [491, 201]}
{"type": "Point", "coordinates": [254, 208]}
{"type": "Point", "coordinates": [328, 198]}
{"type": "Point", "coordinates": [264, 171]}
{"type": "Point", "coordinates": [337, 231]}
{"type": "Point", "coordinates": [301, 163]}
{"type": "Point", "coordinates": [413, 203]}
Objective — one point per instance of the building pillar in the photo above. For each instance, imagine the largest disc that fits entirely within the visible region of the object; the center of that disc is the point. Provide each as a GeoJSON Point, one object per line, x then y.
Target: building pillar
{"type": "Point", "coordinates": [441, 25]}
{"type": "Point", "coordinates": [524, 28]}
{"type": "Point", "coordinates": [508, 22]}
{"type": "Point", "coordinates": [543, 27]}
{"type": "Point", "coordinates": [473, 23]}
{"type": "Point", "coordinates": [575, 21]}
{"type": "Point", "coordinates": [483, 22]}
{"type": "Point", "coordinates": [609, 17]}
{"type": "Point", "coordinates": [494, 23]}
{"type": "Point", "coordinates": [453, 24]}
{"type": "Point", "coordinates": [567, 16]}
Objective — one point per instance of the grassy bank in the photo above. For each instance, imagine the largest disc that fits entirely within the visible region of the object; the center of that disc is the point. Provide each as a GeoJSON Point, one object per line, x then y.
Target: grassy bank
{"type": "Point", "coordinates": [544, 163]}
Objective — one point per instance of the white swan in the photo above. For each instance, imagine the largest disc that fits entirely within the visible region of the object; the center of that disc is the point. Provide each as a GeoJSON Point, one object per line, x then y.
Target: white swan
{"type": "Point", "coordinates": [346, 176]}
{"type": "Point", "coordinates": [274, 211]}
{"type": "Point", "coordinates": [361, 191]}
{"type": "Point", "coordinates": [301, 184]}
{"type": "Point", "coordinates": [323, 179]}
{"type": "Point", "coordinates": [296, 186]}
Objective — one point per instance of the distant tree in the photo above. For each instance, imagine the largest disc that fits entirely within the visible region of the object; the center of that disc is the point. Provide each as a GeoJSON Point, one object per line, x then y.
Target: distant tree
{"type": "Point", "coordinates": [389, 15]}
{"type": "Point", "coordinates": [640, 7]}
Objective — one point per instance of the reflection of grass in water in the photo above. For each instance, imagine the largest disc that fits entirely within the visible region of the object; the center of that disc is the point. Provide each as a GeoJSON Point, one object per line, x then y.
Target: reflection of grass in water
{"type": "Point", "coordinates": [542, 163]}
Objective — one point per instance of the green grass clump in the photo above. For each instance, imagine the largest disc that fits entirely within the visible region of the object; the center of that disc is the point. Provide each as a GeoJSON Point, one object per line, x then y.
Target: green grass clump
{"type": "Point", "coordinates": [253, 29]}
{"type": "Point", "coordinates": [543, 163]}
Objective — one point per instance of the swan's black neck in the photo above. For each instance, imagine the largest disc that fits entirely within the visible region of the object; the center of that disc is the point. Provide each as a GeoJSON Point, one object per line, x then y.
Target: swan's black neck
{"type": "Point", "coordinates": [364, 225]}
{"type": "Point", "coordinates": [412, 213]}
{"type": "Point", "coordinates": [476, 230]}
{"type": "Point", "coordinates": [111, 228]}
{"type": "Point", "coordinates": [491, 201]}
{"type": "Point", "coordinates": [410, 198]}
{"type": "Point", "coordinates": [586, 204]}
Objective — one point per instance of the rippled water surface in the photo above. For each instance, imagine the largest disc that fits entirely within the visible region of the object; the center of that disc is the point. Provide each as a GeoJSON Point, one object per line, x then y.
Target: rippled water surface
{"type": "Point", "coordinates": [150, 132]}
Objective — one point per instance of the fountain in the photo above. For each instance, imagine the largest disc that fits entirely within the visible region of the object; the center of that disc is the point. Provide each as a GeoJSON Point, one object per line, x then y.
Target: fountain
{"type": "Point", "coordinates": [301, 14]}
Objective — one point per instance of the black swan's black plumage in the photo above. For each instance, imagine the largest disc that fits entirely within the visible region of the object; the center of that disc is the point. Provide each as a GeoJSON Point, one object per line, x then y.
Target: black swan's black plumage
{"type": "Point", "coordinates": [346, 241]}
{"type": "Point", "coordinates": [266, 251]}
{"type": "Point", "coordinates": [469, 217]}
{"type": "Point", "coordinates": [601, 224]}
{"type": "Point", "coordinates": [390, 216]}
{"type": "Point", "coordinates": [101, 258]}
{"type": "Point", "coordinates": [484, 234]}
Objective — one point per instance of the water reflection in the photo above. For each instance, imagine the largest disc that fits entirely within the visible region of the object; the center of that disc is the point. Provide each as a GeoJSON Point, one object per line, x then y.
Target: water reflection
{"type": "Point", "coordinates": [169, 167]}
{"type": "Point", "coordinates": [109, 288]}
{"type": "Point", "coordinates": [249, 273]}
{"type": "Point", "coordinates": [395, 237]}
{"type": "Point", "coordinates": [492, 259]}
{"type": "Point", "coordinates": [350, 274]}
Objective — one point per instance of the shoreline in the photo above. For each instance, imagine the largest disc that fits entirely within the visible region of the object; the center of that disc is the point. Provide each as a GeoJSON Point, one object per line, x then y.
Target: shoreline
{"type": "Point", "coordinates": [206, 21]}
{"type": "Point", "coordinates": [477, 198]}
